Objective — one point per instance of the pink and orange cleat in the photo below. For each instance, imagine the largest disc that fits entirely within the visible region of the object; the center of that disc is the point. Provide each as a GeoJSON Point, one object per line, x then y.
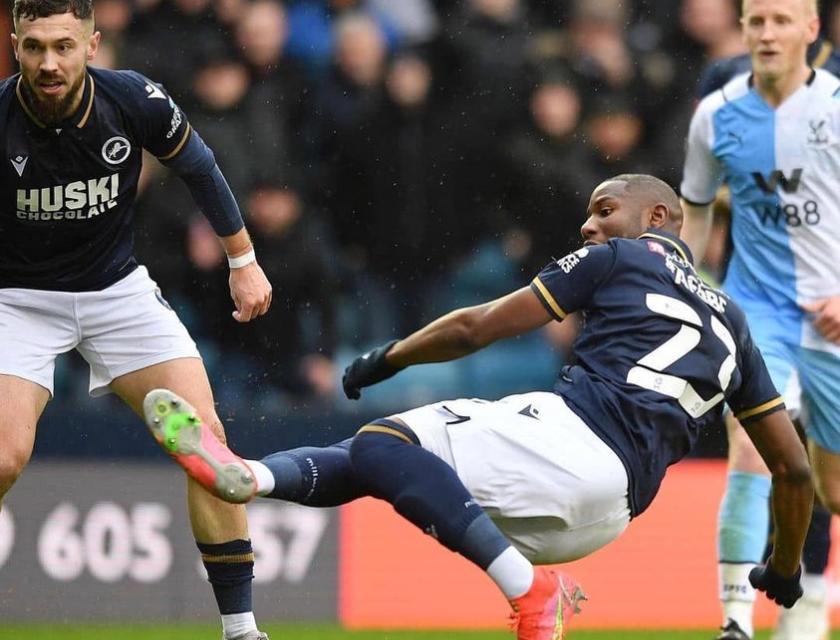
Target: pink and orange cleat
{"type": "Point", "coordinates": [543, 613]}
{"type": "Point", "coordinates": [182, 434]}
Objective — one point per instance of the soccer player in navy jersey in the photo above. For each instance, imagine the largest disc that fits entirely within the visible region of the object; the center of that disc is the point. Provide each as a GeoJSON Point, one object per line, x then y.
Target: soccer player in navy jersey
{"type": "Point", "coordinates": [72, 139]}
{"type": "Point", "coordinates": [548, 477]}
{"type": "Point", "coordinates": [770, 134]}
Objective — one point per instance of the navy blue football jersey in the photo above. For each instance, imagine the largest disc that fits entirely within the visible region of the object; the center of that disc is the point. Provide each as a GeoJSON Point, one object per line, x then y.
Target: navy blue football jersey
{"type": "Point", "coordinates": [659, 353]}
{"type": "Point", "coordinates": [68, 190]}
{"type": "Point", "coordinates": [821, 54]}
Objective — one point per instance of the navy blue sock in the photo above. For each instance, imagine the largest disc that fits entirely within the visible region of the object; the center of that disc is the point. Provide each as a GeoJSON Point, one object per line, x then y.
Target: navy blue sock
{"type": "Point", "coordinates": [818, 541]}
{"type": "Point", "coordinates": [230, 569]}
{"type": "Point", "coordinates": [314, 476]}
{"type": "Point", "coordinates": [427, 492]}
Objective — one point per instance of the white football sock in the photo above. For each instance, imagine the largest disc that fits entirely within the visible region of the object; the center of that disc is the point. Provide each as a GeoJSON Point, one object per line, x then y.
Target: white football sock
{"type": "Point", "coordinates": [512, 573]}
{"type": "Point", "coordinates": [265, 479]}
{"type": "Point", "coordinates": [814, 586]}
{"type": "Point", "coordinates": [238, 624]}
{"type": "Point", "coordinates": [737, 595]}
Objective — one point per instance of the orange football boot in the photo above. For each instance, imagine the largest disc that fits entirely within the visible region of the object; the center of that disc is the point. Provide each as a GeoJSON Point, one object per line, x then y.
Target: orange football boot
{"type": "Point", "coordinates": [544, 612]}
{"type": "Point", "coordinates": [182, 434]}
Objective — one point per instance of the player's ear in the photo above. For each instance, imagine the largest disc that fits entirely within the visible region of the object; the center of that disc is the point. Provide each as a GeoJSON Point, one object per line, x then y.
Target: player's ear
{"type": "Point", "coordinates": [15, 46]}
{"type": "Point", "coordinates": [93, 45]}
{"type": "Point", "coordinates": [813, 29]}
{"type": "Point", "coordinates": [658, 215]}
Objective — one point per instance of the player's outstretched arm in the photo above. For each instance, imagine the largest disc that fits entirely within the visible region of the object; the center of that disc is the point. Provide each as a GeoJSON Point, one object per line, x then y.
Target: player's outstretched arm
{"type": "Point", "coordinates": [249, 288]}
{"type": "Point", "coordinates": [793, 494]}
{"type": "Point", "coordinates": [464, 331]}
{"type": "Point", "coordinates": [452, 336]}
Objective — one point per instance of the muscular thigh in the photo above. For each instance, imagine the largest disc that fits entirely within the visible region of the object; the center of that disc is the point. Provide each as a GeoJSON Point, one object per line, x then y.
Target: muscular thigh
{"type": "Point", "coordinates": [778, 340]}
{"type": "Point", "coordinates": [820, 375]}
{"type": "Point", "coordinates": [21, 405]}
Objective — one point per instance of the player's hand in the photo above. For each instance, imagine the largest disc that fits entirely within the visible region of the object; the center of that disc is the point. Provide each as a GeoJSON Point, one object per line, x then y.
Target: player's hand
{"type": "Point", "coordinates": [251, 292]}
{"type": "Point", "coordinates": [368, 369]}
{"type": "Point", "coordinates": [826, 317]}
{"type": "Point", "coordinates": [782, 590]}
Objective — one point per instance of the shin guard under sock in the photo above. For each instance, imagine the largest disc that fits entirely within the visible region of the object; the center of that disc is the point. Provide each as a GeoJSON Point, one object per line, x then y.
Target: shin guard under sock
{"type": "Point", "coordinates": [230, 569]}
{"type": "Point", "coordinates": [427, 492]}
{"type": "Point", "coordinates": [314, 476]}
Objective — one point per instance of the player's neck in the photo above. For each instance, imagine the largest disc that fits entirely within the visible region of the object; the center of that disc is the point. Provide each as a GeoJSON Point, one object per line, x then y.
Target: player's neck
{"type": "Point", "coordinates": [775, 90]}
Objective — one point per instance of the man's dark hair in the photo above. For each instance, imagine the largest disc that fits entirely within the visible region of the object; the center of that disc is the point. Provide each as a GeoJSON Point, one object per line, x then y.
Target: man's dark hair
{"type": "Point", "coordinates": [32, 9]}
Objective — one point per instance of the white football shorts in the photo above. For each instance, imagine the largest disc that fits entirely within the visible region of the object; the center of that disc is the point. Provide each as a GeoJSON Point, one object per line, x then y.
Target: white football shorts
{"type": "Point", "coordinates": [123, 328]}
{"type": "Point", "coordinates": [552, 486]}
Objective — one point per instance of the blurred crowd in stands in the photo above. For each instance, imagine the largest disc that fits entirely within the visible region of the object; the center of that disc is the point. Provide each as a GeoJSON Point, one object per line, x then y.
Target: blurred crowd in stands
{"type": "Point", "coordinates": [396, 158]}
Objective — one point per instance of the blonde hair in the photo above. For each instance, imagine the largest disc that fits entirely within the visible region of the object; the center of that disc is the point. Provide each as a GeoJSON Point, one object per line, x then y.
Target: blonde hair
{"type": "Point", "coordinates": [813, 6]}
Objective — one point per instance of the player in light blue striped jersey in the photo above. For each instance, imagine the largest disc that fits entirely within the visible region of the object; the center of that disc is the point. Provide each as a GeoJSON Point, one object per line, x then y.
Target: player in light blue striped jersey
{"type": "Point", "coordinates": [773, 136]}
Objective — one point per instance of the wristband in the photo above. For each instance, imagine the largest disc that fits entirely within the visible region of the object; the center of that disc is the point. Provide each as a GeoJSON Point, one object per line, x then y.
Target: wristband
{"type": "Point", "coordinates": [244, 259]}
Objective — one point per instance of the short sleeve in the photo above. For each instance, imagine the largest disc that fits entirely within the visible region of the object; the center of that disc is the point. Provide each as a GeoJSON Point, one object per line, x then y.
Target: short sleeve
{"type": "Point", "coordinates": [164, 126]}
{"type": "Point", "coordinates": [702, 172]}
{"type": "Point", "coordinates": [756, 396]}
{"type": "Point", "coordinates": [567, 284]}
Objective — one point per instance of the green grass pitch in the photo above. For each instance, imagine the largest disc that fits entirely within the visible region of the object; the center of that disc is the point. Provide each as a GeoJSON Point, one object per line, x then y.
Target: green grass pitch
{"type": "Point", "coordinates": [309, 632]}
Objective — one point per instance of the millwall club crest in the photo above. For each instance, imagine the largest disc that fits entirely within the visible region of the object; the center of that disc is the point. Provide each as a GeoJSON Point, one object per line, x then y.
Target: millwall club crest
{"type": "Point", "coordinates": [116, 150]}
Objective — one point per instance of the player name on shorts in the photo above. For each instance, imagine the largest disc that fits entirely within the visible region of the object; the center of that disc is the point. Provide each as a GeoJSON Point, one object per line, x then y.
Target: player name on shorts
{"type": "Point", "coordinates": [685, 276]}
{"type": "Point", "coordinates": [80, 200]}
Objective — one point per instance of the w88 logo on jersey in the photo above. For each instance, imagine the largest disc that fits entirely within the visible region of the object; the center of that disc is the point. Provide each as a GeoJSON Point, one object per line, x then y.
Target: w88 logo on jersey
{"type": "Point", "coordinates": [789, 214]}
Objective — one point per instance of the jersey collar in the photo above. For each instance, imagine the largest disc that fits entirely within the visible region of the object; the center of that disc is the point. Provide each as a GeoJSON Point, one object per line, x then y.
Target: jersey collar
{"type": "Point", "coordinates": [670, 241]}
{"type": "Point", "coordinates": [81, 116]}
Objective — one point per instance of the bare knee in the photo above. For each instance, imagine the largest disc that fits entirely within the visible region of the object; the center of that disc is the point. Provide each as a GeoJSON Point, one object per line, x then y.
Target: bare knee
{"type": "Point", "coordinates": [828, 491]}
{"type": "Point", "coordinates": [825, 465]}
{"type": "Point", "coordinates": [21, 405]}
{"type": "Point", "coordinates": [830, 497]}
{"type": "Point", "coordinates": [12, 462]}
